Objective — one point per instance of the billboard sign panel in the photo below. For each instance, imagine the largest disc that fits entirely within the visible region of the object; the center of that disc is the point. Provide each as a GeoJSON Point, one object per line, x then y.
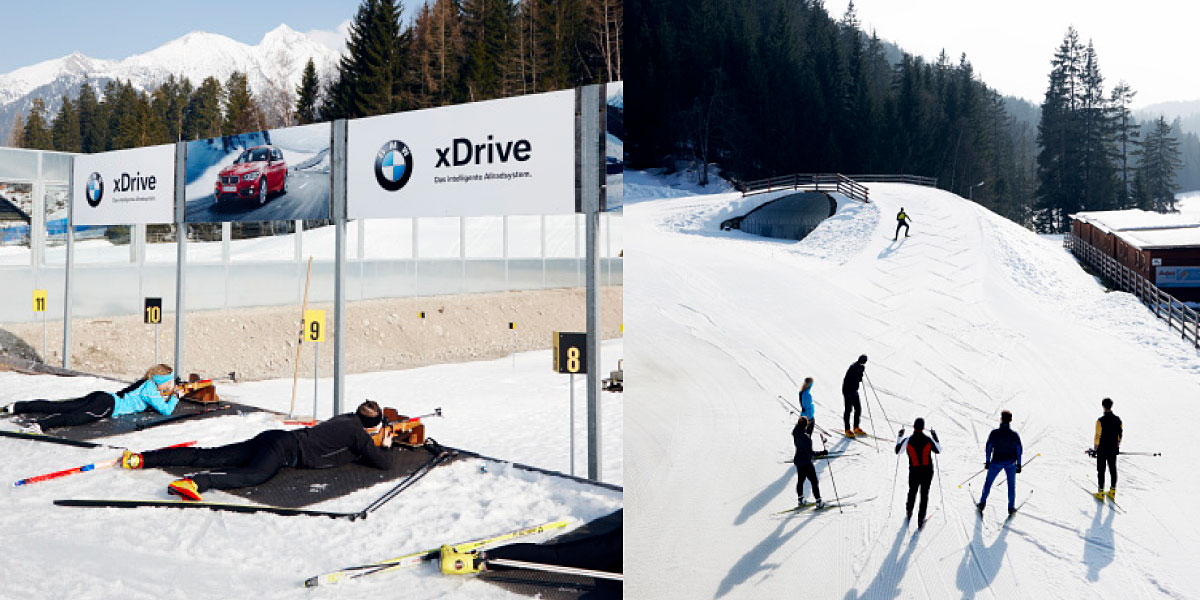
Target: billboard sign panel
{"type": "Point", "coordinates": [125, 187]}
{"type": "Point", "coordinates": [514, 156]}
{"type": "Point", "coordinates": [272, 175]}
{"type": "Point", "coordinates": [1177, 276]}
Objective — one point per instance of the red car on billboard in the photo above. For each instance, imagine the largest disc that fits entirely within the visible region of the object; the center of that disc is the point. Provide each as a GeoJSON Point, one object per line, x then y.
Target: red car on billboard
{"type": "Point", "coordinates": [258, 173]}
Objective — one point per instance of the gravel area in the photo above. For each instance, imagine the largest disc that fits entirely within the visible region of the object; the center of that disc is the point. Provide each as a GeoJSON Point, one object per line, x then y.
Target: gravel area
{"type": "Point", "coordinates": [382, 335]}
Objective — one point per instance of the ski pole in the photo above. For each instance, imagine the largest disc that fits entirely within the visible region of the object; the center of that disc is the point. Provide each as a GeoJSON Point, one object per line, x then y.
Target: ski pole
{"type": "Point", "coordinates": [787, 405]}
{"type": "Point", "coordinates": [1140, 453]}
{"type": "Point", "coordinates": [871, 417]}
{"type": "Point", "coordinates": [971, 477]}
{"type": "Point", "coordinates": [1022, 466]}
{"type": "Point", "coordinates": [831, 479]}
{"type": "Point", "coordinates": [941, 488]}
{"type": "Point", "coordinates": [85, 468]}
{"type": "Point", "coordinates": [877, 401]}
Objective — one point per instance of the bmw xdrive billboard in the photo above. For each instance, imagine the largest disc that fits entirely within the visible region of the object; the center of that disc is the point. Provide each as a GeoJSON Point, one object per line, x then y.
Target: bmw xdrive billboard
{"type": "Point", "coordinates": [514, 156]}
{"type": "Point", "coordinates": [273, 175]}
{"type": "Point", "coordinates": [125, 187]}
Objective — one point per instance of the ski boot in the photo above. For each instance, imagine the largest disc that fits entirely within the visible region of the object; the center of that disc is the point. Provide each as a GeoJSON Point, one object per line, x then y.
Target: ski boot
{"type": "Point", "coordinates": [460, 563]}
{"type": "Point", "coordinates": [859, 431]}
{"type": "Point", "coordinates": [801, 502]}
{"type": "Point", "coordinates": [131, 460]}
{"type": "Point", "coordinates": [1112, 493]}
{"type": "Point", "coordinates": [1099, 495]}
{"type": "Point", "coordinates": [7, 409]}
{"type": "Point", "coordinates": [848, 433]}
{"type": "Point", "coordinates": [1012, 510]}
{"type": "Point", "coordinates": [184, 488]}
{"type": "Point", "coordinates": [32, 427]}
{"type": "Point", "coordinates": [820, 504]}
{"type": "Point", "coordinates": [979, 506]}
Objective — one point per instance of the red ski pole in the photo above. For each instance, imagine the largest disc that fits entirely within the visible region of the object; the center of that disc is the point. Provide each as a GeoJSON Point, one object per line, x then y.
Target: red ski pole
{"type": "Point", "coordinates": [85, 468]}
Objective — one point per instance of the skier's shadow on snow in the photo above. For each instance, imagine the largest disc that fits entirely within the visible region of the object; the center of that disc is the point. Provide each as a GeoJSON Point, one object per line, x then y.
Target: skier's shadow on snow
{"type": "Point", "coordinates": [981, 563]}
{"type": "Point", "coordinates": [761, 499]}
{"type": "Point", "coordinates": [892, 248]}
{"type": "Point", "coordinates": [755, 560]}
{"type": "Point", "coordinates": [1098, 548]}
{"type": "Point", "coordinates": [891, 571]}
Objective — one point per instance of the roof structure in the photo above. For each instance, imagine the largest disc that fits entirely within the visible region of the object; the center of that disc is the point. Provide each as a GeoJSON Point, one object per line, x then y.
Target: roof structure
{"type": "Point", "coordinates": [1146, 230]}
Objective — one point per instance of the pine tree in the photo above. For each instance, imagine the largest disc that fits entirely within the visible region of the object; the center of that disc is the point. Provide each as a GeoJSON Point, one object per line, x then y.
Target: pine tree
{"type": "Point", "coordinates": [1127, 135]}
{"type": "Point", "coordinates": [92, 122]}
{"type": "Point", "coordinates": [16, 135]}
{"type": "Point", "coordinates": [1060, 169]}
{"type": "Point", "coordinates": [242, 113]}
{"type": "Point", "coordinates": [372, 77]}
{"type": "Point", "coordinates": [64, 131]}
{"type": "Point", "coordinates": [488, 27]}
{"type": "Point", "coordinates": [37, 131]}
{"type": "Point", "coordinates": [306, 95]}
{"type": "Point", "coordinates": [169, 102]}
{"type": "Point", "coordinates": [202, 116]}
{"type": "Point", "coordinates": [1160, 163]}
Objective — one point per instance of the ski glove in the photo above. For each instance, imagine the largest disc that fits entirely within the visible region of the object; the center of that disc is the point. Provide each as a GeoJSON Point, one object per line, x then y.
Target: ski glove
{"type": "Point", "coordinates": [987, 465]}
{"type": "Point", "coordinates": [1018, 468]}
{"type": "Point", "coordinates": [901, 432]}
{"type": "Point", "coordinates": [821, 453]}
{"type": "Point", "coordinates": [1091, 452]}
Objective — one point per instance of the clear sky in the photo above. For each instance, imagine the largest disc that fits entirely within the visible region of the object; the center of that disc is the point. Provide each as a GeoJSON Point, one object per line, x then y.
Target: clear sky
{"type": "Point", "coordinates": [1152, 44]}
{"type": "Point", "coordinates": [34, 31]}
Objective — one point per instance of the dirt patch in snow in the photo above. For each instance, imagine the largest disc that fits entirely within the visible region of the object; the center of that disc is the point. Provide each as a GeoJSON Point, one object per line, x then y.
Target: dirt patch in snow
{"type": "Point", "coordinates": [381, 335]}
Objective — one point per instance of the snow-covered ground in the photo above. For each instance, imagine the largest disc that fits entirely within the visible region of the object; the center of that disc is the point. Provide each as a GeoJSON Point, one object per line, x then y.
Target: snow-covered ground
{"type": "Point", "coordinates": [970, 315]}
{"type": "Point", "coordinates": [514, 408]}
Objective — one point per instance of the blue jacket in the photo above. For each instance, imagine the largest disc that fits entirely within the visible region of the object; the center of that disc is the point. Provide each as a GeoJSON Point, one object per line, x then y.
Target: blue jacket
{"type": "Point", "coordinates": [143, 396]}
{"type": "Point", "coordinates": [1003, 445]}
{"type": "Point", "coordinates": [806, 403]}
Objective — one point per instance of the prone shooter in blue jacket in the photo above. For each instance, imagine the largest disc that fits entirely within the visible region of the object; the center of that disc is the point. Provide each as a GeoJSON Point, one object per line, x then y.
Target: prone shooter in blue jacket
{"type": "Point", "coordinates": [1003, 452]}
{"type": "Point", "coordinates": [156, 390]}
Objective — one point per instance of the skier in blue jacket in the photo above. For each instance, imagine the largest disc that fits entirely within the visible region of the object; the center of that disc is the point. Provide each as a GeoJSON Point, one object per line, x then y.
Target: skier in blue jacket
{"type": "Point", "coordinates": [806, 404]}
{"type": "Point", "coordinates": [156, 390]}
{"type": "Point", "coordinates": [1003, 452]}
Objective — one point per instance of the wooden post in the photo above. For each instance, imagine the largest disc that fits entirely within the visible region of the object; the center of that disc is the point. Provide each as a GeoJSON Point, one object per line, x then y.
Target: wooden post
{"type": "Point", "coordinates": [300, 340]}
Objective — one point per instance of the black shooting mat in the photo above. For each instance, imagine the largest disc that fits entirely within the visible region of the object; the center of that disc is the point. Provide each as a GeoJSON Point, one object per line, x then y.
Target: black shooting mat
{"type": "Point", "coordinates": [130, 423]}
{"type": "Point", "coordinates": [559, 586]}
{"type": "Point", "coordinates": [297, 488]}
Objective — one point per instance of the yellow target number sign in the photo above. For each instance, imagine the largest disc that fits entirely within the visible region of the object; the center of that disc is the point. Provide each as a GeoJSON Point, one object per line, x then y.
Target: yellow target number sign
{"type": "Point", "coordinates": [39, 300]}
{"type": "Point", "coordinates": [570, 352]}
{"type": "Point", "coordinates": [314, 326]}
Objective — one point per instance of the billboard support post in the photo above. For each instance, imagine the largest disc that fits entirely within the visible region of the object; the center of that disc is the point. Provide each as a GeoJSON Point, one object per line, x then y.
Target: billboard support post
{"type": "Point", "coordinates": [66, 350]}
{"type": "Point", "coordinates": [338, 189]}
{"type": "Point", "coordinates": [590, 196]}
{"type": "Point", "coordinates": [181, 250]}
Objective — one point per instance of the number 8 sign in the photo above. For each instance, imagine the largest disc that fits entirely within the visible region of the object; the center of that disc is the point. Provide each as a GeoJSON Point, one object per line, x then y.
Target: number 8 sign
{"type": "Point", "coordinates": [314, 326]}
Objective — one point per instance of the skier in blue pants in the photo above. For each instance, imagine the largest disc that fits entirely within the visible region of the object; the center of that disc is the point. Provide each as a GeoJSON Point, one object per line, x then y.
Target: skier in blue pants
{"type": "Point", "coordinates": [1003, 452]}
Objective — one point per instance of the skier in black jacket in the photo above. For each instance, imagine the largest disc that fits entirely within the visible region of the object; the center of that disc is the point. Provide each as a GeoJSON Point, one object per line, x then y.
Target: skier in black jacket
{"type": "Point", "coordinates": [803, 461]}
{"type": "Point", "coordinates": [901, 221]}
{"type": "Point", "coordinates": [1106, 446]}
{"type": "Point", "coordinates": [1003, 452]}
{"type": "Point", "coordinates": [340, 440]}
{"type": "Point", "coordinates": [919, 448]}
{"type": "Point", "coordinates": [850, 385]}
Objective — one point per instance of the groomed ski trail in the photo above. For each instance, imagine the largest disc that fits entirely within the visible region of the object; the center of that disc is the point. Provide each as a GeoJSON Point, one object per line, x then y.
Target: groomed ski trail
{"type": "Point", "coordinates": [970, 315]}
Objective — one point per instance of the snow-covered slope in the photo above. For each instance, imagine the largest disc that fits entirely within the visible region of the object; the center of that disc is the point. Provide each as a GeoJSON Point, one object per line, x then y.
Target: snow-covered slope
{"type": "Point", "coordinates": [969, 316]}
{"type": "Point", "coordinates": [513, 408]}
{"type": "Point", "coordinates": [277, 60]}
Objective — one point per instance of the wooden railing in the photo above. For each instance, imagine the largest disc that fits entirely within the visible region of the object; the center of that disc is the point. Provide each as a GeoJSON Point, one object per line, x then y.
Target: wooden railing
{"type": "Point", "coordinates": [1177, 314]}
{"type": "Point", "coordinates": [913, 179]}
{"type": "Point", "coordinates": [808, 181]}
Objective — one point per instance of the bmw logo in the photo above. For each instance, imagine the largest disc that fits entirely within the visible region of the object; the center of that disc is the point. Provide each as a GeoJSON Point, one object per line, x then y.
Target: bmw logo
{"type": "Point", "coordinates": [393, 165]}
{"type": "Point", "coordinates": [95, 189]}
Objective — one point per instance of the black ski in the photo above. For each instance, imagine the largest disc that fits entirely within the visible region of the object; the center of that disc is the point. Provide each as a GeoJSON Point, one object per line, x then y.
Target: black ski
{"type": "Point", "coordinates": [41, 437]}
{"type": "Point", "coordinates": [241, 508]}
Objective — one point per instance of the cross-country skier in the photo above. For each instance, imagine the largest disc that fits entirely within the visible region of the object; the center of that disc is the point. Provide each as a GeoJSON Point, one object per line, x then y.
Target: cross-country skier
{"type": "Point", "coordinates": [1106, 446]}
{"type": "Point", "coordinates": [155, 390]}
{"type": "Point", "coordinates": [806, 404]}
{"type": "Point", "coordinates": [803, 461]}
{"type": "Point", "coordinates": [1003, 452]}
{"type": "Point", "coordinates": [918, 447]}
{"type": "Point", "coordinates": [340, 440]}
{"type": "Point", "coordinates": [901, 221]}
{"type": "Point", "coordinates": [850, 385]}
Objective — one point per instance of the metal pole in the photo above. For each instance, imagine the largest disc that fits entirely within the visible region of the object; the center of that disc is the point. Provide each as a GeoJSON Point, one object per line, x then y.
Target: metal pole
{"type": "Point", "coordinates": [572, 424]}
{"type": "Point", "coordinates": [66, 354]}
{"type": "Point", "coordinates": [590, 130]}
{"type": "Point", "coordinates": [316, 372]}
{"type": "Point", "coordinates": [338, 186]}
{"type": "Point", "coordinates": [181, 248]}
{"type": "Point", "coordinates": [156, 343]}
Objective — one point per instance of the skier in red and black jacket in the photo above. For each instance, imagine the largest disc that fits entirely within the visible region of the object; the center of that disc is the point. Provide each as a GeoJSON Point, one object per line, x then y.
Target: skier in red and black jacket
{"type": "Point", "coordinates": [919, 449]}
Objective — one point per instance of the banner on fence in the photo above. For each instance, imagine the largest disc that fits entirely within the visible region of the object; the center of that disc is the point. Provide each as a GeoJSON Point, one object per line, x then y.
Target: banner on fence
{"type": "Point", "coordinates": [514, 156]}
{"type": "Point", "coordinates": [125, 187]}
{"type": "Point", "coordinates": [1177, 276]}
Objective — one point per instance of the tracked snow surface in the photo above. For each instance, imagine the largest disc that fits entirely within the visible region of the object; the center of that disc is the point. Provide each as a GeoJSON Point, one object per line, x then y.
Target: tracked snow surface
{"type": "Point", "coordinates": [514, 408]}
{"type": "Point", "coordinates": [970, 315]}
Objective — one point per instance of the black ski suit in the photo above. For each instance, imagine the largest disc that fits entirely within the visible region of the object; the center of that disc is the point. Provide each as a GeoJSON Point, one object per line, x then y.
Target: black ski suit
{"type": "Point", "coordinates": [918, 448]}
{"type": "Point", "coordinates": [335, 442]}
{"type": "Point", "coordinates": [901, 221]}
{"type": "Point", "coordinates": [850, 385]}
{"type": "Point", "coordinates": [803, 461]}
{"type": "Point", "coordinates": [1108, 444]}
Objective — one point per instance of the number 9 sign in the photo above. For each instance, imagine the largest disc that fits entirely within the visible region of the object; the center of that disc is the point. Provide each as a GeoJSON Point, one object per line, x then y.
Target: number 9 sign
{"type": "Point", "coordinates": [314, 326]}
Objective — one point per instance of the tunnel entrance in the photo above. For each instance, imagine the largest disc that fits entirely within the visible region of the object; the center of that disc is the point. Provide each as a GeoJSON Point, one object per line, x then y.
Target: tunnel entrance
{"type": "Point", "coordinates": [791, 217]}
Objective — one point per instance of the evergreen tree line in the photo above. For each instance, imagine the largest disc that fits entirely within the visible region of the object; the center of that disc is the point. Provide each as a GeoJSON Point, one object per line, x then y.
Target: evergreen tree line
{"type": "Point", "coordinates": [453, 51]}
{"type": "Point", "coordinates": [1093, 154]}
{"type": "Point", "coordinates": [773, 87]}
